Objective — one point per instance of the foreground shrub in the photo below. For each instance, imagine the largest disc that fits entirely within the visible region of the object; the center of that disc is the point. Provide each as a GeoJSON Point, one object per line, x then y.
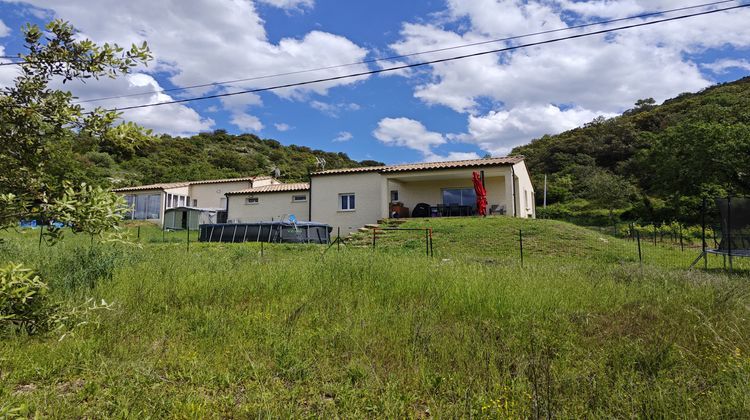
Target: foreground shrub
{"type": "Point", "coordinates": [24, 301]}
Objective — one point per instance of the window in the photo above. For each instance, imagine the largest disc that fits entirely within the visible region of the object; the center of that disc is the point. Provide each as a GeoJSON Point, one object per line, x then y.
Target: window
{"type": "Point", "coordinates": [182, 201]}
{"type": "Point", "coordinates": [347, 202]}
{"type": "Point", "coordinates": [223, 202]}
{"type": "Point", "coordinates": [459, 197]}
{"type": "Point", "coordinates": [195, 202]}
{"type": "Point", "coordinates": [252, 200]}
{"type": "Point", "coordinates": [299, 198]}
{"type": "Point", "coordinates": [394, 196]}
{"type": "Point", "coordinates": [169, 200]}
{"type": "Point", "coordinates": [174, 201]}
{"type": "Point", "coordinates": [130, 202]}
{"type": "Point", "coordinates": [145, 207]}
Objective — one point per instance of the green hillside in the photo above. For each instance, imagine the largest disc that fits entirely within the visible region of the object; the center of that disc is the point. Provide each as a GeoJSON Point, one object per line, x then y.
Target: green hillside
{"type": "Point", "coordinates": [654, 163]}
{"type": "Point", "coordinates": [203, 156]}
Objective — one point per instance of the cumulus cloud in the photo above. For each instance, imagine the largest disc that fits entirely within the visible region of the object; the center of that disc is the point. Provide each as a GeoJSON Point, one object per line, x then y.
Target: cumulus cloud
{"type": "Point", "coordinates": [246, 122]}
{"type": "Point", "coordinates": [499, 131]}
{"type": "Point", "coordinates": [343, 136]}
{"type": "Point", "coordinates": [409, 133]}
{"type": "Point", "coordinates": [601, 75]}
{"type": "Point", "coordinates": [723, 66]}
{"type": "Point", "coordinates": [334, 109]}
{"type": "Point", "coordinates": [289, 4]}
{"type": "Point", "coordinates": [283, 127]}
{"type": "Point", "coordinates": [174, 119]}
{"type": "Point", "coordinates": [205, 41]}
{"type": "Point", "coordinates": [4, 30]}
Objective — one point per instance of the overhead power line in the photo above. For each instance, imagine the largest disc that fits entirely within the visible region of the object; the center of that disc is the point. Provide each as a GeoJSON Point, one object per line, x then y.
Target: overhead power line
{"type": "Point", "coordinates": [430, 62]}
{"type": "Point", "coordinates": [397, 57]}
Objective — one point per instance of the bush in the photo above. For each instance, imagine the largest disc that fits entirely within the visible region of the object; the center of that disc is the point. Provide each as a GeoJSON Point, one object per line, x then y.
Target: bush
{"type": "Point", "coordinates": [24, 302]}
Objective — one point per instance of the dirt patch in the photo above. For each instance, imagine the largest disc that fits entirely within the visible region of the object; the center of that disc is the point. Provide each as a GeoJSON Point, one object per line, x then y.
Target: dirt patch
{"type": "Point", "coordinates": [24, 389]}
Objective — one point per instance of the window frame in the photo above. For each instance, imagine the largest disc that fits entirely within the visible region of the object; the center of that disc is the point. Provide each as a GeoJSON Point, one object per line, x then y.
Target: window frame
{"type": "Point", "coordinates": [351, 202]}
{"type": "Point", "coordinates": [252, 203]}
{"type": "Point", "coordinates": [295, 198]}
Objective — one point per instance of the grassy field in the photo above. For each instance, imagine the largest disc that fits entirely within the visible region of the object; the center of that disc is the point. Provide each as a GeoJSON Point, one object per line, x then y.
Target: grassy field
{"type": "Point", "coordinates": [582, 329]}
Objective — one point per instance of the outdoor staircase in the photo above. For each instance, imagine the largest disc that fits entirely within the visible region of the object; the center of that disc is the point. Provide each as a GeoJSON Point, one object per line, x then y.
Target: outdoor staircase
{"type": "Point", "coordinates": [362, 237]}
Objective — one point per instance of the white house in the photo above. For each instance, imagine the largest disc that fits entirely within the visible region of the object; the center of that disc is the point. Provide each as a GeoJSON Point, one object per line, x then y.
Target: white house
{"type": "Point", "coordinates": [350, 198]}
{"type": "Point", "coordinates": [149, 202]}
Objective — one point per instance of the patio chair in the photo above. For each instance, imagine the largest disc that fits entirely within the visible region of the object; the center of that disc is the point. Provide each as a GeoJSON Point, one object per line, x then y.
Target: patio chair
{"type": "Point", "coordinates": [441, 210]}
{"type": "Point", "coordinates": [454, 210]}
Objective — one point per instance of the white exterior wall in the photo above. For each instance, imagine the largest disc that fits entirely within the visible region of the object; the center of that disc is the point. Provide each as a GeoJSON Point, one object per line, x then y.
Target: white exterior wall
{"type": "Point", "coordinates": [210, 195]}
{"type": "Point", "coordinates": [271, 206]}
{"type": "Point", "coordinates": [525, 191]}
{"type": "Point", "coordinates": [371, 201]}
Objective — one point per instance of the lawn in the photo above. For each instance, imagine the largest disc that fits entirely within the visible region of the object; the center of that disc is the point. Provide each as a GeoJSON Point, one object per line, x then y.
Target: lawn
{"type": "Point", "coordinates": [219, 330]}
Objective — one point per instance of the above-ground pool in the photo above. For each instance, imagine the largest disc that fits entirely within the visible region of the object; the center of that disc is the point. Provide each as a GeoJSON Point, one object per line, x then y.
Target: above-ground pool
{"type": "Point", "coordinates": [300, 232]}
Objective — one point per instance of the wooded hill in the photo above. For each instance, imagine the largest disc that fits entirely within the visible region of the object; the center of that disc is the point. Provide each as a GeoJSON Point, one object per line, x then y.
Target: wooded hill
{"type": "Point", "coordinates": [204, 156]}
{"type": "Point", "coordinates": [653, 163]}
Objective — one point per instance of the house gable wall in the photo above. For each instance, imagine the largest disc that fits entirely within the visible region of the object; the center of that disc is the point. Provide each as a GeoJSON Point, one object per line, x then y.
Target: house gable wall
{"type": "Point", "coordinates": [270, 206]}
{"type": "Point", "coordinates": [370, 203]}
{"type": "Point", "coordinates": [210, 195]}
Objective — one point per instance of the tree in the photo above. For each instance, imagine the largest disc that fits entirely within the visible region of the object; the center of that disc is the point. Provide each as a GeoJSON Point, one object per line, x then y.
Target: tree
{"type": "Point", "coordinates": [39, 125]}
{"type": "Point", "coordinates": [609, 191]}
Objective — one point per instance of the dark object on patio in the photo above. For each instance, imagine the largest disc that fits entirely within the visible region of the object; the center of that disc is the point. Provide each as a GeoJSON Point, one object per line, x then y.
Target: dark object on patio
{"type": "Point", "coordinates": [421, 210]}
{"type": "Point", "coordinates": [287, 232]}
{"type": "Point", "coordinates": [735, 229]}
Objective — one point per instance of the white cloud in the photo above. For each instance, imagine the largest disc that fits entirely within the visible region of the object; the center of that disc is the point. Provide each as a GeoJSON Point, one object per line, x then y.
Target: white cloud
{"type": "Point", "coordinates": [451, 156]}
{"type": "Point", "coordinates": [283, 127]}
{"type": "Point", "coordinates": [4, 30]}
{"type": "Point", "coordinates": [175, 119]}
{"type": "Point", "coordinates": [723, 66]}
{"type": "Point", "coordinates": [343, 136]}
{"type": "Point", "coordinates": [551, 88]}
{"type": "Point", "coordinates": [409, 133]}
{"type": "Point", "coordinates": [334, 110]}
{"type": "Point", "coordinates": [204, 41]}
{"type": "Point", "coordinates": [290, 4]}
{"type": "Point", "coordinates": [246, 122]}
{"type": "Point", "coordinates": [499, 131]}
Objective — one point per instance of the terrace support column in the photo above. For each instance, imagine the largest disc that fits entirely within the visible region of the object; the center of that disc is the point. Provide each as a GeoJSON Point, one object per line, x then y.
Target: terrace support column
{"type": "Point", "coordinates": [384, 197]}
{"type": "Point", "coordinates": [509, 204]}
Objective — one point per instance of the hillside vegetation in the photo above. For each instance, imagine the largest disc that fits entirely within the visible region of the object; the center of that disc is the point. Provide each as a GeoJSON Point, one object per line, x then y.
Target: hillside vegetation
{"type": "Point", "coordinates": [203, 156]}
{"type": "Point", "coordinates": [222, 331]}
{"type": "Point", "coordinates": [653, 163]}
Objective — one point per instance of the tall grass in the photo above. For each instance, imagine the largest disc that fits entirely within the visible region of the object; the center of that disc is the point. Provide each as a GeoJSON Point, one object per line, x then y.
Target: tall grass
{"type": "Point", "coordinates": [221, 331]}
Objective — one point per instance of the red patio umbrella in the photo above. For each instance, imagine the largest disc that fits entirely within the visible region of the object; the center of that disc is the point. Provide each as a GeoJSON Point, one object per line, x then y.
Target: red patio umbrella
{"type": "Point", "coordinates": [481, 194]}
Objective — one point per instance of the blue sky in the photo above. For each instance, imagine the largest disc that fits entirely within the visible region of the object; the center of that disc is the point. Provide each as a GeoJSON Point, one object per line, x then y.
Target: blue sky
{"type": "Point", "coordinates": [449, 111]}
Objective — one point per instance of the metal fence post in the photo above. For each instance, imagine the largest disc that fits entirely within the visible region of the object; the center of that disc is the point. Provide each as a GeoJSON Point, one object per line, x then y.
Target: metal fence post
{"type": "Point", "coordinates": [682, 245]}
{"type": "Point", "coordinates": [41, 235]}
{"type": "Point", "coordinates": [431, 253]}
{"type": "Point", "coordinates": [338, 238]}
{"type": "Point", "coordinates": [640, 255]}
{"type": "Point", "coordinates": [138, 235]}
{"type": "Point", "coordinates": [373, 238]}
{"type": "Point", "coordinates": [520, 244]}
{"type": "Point", "coordinates": [729, 230]}
{"type": "Point", "coordinates": [703, 236]}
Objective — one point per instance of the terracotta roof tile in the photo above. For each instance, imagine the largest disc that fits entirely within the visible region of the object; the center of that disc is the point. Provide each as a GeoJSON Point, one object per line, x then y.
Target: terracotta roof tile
{"type": "Point", "coordinates": [507, 160]}
{"type": "Point", "coordinates": [162, 186]}
{"type": "Point", "coordinates": [168, 185]}
{"type": "Point", "coordinates": [299, 186]}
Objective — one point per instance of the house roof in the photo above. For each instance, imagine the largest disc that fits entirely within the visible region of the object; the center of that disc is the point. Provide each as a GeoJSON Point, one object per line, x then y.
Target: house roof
{"type": "Point", "coordinates": [166, 186]}
{"type": "Point", "coordinates": [298, 186]}
{"type": "Point", "coordinates": [454, 164]}
{"type": "Point", "coordinates": [163, 186]}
